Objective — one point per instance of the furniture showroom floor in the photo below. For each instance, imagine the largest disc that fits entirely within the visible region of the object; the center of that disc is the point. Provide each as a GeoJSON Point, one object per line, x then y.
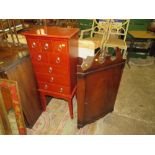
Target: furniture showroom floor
{"type": "Point", "coordinates": [134, 111]}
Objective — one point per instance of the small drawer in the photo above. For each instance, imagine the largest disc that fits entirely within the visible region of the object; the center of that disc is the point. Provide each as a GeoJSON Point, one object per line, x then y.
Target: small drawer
{"type": "Point", "coordinates": [53, 79]}
{"type": "Point", "coordinates": [61, 89]}
{"type": "Point", "coordinates": [43, 68]}
{"type": "Point", "coordinates": [50, 69]}
{"type": "Point", "coordinates": [59, 60]}
{"type": "Point", "coordinates": [38, 57]}
{"type": "Point", "coordinates": [60, 47]}
{"type": "Point", "coordinates": [46, 45]}
{"type": "Point", "coordinates": [54, 88]}
{"type": "Point", "coordinates": [34, 45]}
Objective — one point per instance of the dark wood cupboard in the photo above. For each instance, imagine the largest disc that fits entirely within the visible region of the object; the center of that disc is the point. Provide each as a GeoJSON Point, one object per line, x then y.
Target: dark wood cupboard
{"type": "Point", "coordinates": [97, 87]}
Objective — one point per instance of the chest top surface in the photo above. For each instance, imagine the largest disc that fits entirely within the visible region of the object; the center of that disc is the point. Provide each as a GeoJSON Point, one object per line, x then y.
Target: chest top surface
{"type": "Point", "coordinates": [52, 31]}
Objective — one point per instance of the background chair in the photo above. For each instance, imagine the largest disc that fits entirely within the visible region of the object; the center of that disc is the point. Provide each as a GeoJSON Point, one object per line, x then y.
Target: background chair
{"type": "Point", "coordinates": [116, 36]}
{"type": "Point", "coordinates": [9, 29]}
{"type": "Point", "coordinates": [97, 34]}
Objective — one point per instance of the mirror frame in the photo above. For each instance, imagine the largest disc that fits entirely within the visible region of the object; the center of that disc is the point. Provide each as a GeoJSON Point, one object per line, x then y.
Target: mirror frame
{"type": "Point", "coordinates": [16, 103]}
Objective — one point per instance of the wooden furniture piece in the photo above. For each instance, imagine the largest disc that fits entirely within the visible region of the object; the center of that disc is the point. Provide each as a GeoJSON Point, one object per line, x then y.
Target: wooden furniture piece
{"type": "Point", "coordinates": [98, 83]}
{"type": "Point", "coordinates": [15, 65]}
{"type": "Point", "coordinates": [16, 104]}
{"type": "Point", "coordinates": [117, 34]}
{"type": "Point", "coordinates": [53, 53]}
{"type": "Point", "coordinates": [145, 37]}
{"type": "Point", "coordinates": [142, 34]}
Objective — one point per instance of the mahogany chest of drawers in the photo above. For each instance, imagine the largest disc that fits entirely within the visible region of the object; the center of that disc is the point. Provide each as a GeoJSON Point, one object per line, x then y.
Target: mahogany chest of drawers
{"type": "Point", "coordinates": [53, 52]}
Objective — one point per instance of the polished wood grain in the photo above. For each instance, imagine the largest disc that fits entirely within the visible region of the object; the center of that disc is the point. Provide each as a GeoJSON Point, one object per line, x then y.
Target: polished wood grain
{"type": "Point", "coordinates": [97, 87]}
{"type": "Point", "coordinates": [55, 32]}
{"type": "Point", "coordinates": [142, 34]}
{"type": "Point", "coordinates": [50, 69]}
{"type": "Point", "coordinates": [53, 78]}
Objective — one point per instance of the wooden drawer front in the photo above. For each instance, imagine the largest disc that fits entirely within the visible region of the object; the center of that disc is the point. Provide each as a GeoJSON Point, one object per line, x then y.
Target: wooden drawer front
{"type": "Point", "coordinates": [61, 70]}
{"type": "Point", "coordinates": [38, 57]}
{"type": "Point", "coordinates": [50, 69]}
{"type": "Point", "coordinates": [43, 68]}
{"type": "Point", "coordinates": [53, 79]}
{"type": "Point", "coordinates": [59, 60]}
{"type": "Point", "coordinates": [46, 45]}
{"type": "Point", "coordinates": [60, 47]}
{"type": "Point", "coordinates": [34, 45]}
{"type": "Point", "coordinates": [54, 88]}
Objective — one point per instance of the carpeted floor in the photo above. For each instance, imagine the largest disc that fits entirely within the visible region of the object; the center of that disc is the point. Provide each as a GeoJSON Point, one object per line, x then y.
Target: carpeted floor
{"type": "Point", "coordinates": [134, 111]}
{"type": "Point", "coordinates": [56, 120]}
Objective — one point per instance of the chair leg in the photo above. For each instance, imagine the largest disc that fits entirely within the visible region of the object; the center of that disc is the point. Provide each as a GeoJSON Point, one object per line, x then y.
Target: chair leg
{"type": "Point", "coordinates": [127, 62]}
{"type": "Point", "coordinates": [124, 53]}
{"type": "Point", "coordinates": [70, 105]}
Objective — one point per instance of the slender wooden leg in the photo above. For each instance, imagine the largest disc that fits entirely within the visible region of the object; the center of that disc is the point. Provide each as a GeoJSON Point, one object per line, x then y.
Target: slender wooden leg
{"type": "Point", "coordinates": [70, 105]}
{"type": "Point", "coordinates": [43, 101]}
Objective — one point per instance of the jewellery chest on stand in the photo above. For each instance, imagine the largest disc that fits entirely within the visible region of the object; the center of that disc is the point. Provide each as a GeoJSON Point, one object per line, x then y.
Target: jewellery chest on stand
{"type": "Point", "coordinates": [53, 52]}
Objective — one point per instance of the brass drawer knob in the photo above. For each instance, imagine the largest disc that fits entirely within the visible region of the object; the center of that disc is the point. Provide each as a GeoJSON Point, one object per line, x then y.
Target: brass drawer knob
{"type": "Point", "coordinates": [61, 46]}
{"type": "Point", "coordinates": [45, 86]}
{"type": "Point", "coordinates": [51, 79]}
{"type": "Point", "coordinates": [46, 46]}
{"type": "Point", "coordinates": [58, 60]}
{"type": "Point", "coordinates": [61, 90]}
{"type": "Point", "coordinates": [39, 57]}
{"type": "Point", "coordinates": [50, 69]}
{"type": "Point", "coordinates": [33, 45]}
